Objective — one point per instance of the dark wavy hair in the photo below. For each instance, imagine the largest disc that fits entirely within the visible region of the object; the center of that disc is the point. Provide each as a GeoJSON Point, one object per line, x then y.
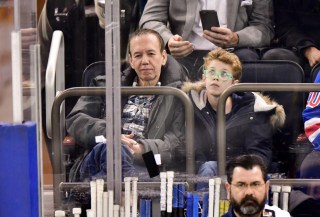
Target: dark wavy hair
{"type": "Point", "coordinates": [247, 162]}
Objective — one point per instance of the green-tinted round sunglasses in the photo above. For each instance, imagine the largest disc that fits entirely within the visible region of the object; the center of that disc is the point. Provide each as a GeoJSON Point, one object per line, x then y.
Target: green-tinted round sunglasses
{"type": "Point", "coordinates": [210, 73]}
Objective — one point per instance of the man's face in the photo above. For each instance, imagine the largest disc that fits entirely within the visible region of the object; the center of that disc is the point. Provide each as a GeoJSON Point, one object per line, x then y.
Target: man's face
{"type": "Point", "coordinates": [218, 76]}
{"type": "Point", "coordinates": [146, 58]}
{"type": "Point", "coordinates": [248, 191]}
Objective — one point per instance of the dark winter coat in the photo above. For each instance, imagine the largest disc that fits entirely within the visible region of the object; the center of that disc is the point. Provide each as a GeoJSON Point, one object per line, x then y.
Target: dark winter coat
{"type": "Point", "coordinates": [249, 125]}
{"type": "Point", "coordinates": [164, 133]}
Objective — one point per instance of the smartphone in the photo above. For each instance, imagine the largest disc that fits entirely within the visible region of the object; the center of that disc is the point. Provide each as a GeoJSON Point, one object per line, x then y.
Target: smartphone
{"type": "Point", "coordinates": [151, 164]}
{"type": "Point", "coordinates": [209, 18]}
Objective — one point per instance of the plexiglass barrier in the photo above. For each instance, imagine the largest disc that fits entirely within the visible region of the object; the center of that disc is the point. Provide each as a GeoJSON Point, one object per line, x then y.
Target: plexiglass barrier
{"type": "Point", "coordinates": [20, 106]}
{"type": "Point", "coordinates": [21, 80]}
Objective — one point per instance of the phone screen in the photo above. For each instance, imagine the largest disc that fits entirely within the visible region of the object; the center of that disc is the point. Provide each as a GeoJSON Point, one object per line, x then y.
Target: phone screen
{"type": "Point", "coordinates": [209, 18]}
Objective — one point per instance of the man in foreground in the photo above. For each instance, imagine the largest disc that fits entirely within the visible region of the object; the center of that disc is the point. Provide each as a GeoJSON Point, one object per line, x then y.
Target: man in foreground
{"type": "Point", "coordinates": [247, 187]}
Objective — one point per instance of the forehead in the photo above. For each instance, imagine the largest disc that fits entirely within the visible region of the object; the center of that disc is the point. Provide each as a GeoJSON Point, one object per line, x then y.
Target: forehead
{"type": "Point", "coordinates": [218, 65]}
{"type": "Point", "coordinates": [248, 176]}
{"type": "Point", "coordinates": [144, 42]}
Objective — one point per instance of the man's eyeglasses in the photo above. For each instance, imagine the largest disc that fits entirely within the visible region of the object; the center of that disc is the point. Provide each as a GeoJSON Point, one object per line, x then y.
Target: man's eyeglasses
{"type": "Point", "coordinates": [210, 73]}
{"type": "Point", "coordinates": [241, 186]}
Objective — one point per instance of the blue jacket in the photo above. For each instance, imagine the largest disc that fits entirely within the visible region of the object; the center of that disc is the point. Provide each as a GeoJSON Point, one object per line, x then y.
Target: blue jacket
{"type": "Point", "coordinates": [311, 117]}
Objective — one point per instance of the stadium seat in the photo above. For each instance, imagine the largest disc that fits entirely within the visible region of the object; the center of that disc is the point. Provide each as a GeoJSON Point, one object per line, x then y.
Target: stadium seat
{"type": "Point", "coordinates": [314, 72]}
{"type": "Point", "coordinates": [92, 71]}
{"type": "Point", "coordinates": [293, 102]}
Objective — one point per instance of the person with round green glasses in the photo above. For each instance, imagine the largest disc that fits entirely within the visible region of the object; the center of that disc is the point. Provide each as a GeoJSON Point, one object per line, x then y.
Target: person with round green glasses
{"type": "Point", "coordinates": [250, 117]}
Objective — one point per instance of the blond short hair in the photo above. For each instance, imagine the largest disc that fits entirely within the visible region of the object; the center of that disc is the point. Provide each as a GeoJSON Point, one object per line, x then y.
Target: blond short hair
{"type": "Point", "coordinates": [227, 58]}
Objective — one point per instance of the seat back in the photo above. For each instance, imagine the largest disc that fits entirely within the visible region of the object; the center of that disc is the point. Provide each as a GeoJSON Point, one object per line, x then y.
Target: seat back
{"type": "Point", "coordinates": [92, 71]}
{"type": "Point", "coordinates": [314, 72]}
{"type": "Point", "coordinates": [292, 102]}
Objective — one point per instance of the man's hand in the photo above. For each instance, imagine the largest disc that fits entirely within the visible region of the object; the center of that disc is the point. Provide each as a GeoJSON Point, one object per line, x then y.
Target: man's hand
{"type": "Point", "coordinates": [313, 55]}
{"type": "Point", "coordinates": [132, 144]}
{"type": "Point", "coordinates": [178, 47]}
{"type": "Point", "coordinates": [222, 37]}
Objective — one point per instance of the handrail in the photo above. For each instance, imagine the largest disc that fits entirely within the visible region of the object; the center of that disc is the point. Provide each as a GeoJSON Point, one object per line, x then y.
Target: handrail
{"type": "Point", "coordinates": [85, 186]}
{"type": "Point", "coordinates": [58, 171]}
{"type": "Point", "coordinates": [295, 182]}
{"type": "Point", "coordinates": [276, 87]}
{"type": "Point", "coordinates": [55, 73]}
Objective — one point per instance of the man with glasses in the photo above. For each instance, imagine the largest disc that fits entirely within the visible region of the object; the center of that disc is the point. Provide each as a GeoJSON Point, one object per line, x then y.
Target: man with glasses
{"type": "Point", "coordinates": [250, 117]}
{"type": "Point", "coordinates": [247, 187]}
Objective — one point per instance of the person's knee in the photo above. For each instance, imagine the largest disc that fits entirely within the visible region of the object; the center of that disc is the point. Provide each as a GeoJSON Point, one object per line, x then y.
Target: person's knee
{"type": "Point", "coordinates": [281, 54]}
{"type": "Point", "coordinates": [247, 54]}
{"type": "Point", "coordinates": [91, 164]}
{"type": "Point", "coordinates": [126, 156]}
{"type": "Point", "coordinates": [209, 168]}
{"type": "Point", "coordinates": [310, 166]}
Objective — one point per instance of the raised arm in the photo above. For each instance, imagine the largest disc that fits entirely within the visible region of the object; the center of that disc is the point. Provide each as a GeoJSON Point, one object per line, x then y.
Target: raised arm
{"type": "Point", "coordinates": [156, 16]}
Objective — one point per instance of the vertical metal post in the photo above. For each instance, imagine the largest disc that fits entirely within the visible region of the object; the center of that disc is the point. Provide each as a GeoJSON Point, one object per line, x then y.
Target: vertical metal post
{"type": "Point", "coordinates": [113, 93]}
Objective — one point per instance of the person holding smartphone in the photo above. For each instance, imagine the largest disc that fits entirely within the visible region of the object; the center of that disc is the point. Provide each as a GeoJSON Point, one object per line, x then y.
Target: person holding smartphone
{"type": "Point", "coordinates": [244, 26]}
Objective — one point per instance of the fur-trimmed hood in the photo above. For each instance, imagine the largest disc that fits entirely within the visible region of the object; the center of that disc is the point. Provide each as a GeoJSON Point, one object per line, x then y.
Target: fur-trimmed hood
{"type": "Point", "coordinates": [197, 91]}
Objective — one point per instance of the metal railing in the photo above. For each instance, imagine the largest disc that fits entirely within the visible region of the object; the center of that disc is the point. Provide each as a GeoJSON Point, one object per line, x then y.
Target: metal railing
{"type": "Point", "coordinates": [295, 182]}
{"type": "Point", "coordinates": [55, 73]}
{"type": "Point", "coordinates": [275, 87]}
{"type": "Point", "coordinates": [58, 168]}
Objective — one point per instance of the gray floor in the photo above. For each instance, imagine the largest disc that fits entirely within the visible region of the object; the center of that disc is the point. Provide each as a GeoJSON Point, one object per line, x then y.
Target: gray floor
{"type": "Point", "coordinates": [48, 210]}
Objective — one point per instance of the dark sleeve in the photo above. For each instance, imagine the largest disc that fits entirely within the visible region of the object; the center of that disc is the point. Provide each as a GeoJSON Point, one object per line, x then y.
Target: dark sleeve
{"type": "Point", "coordinates": [201, 144]}
{"type": "Point", "coordinates": [170, 144]}
{"type": "Point", "coordinates": [288, 27]}
{"type": "Point", "coordinates": [259, 137]}
{"type": "Point", "coordinates": [84, 121]}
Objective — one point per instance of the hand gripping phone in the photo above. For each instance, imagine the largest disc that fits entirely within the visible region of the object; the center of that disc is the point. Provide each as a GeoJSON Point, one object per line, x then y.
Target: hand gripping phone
{"type": "Point", "coordinates": [209, 18]}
